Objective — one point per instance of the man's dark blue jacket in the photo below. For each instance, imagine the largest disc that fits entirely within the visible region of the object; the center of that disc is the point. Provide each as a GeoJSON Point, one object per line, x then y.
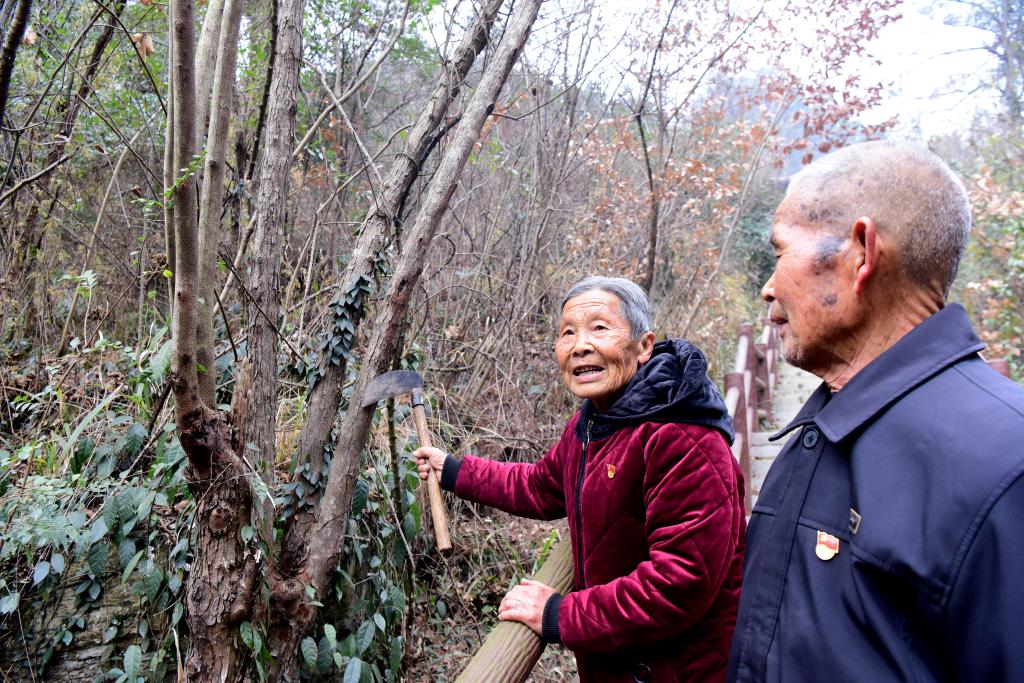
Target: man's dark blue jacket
{"type": "Point", "coordinates": [915, 466]}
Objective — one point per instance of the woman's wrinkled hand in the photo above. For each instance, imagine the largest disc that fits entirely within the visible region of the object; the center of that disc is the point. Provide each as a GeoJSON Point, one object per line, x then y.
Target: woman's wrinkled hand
{"type": "Point", "coordinates": [429, 457]}
{"type": "Point", "coordinates": [525, 603]}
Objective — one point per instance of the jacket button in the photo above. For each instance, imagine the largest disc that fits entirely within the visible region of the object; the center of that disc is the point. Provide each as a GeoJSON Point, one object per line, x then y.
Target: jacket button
{"type": "Point", "coordinates": [810, 438]}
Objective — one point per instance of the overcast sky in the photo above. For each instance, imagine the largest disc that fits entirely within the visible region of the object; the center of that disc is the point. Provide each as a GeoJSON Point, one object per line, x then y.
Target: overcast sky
{"type": "Point", "coordinates": [933, 68]}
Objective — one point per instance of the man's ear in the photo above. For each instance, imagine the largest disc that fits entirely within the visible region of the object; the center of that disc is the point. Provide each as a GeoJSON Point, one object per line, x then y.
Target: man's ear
{"type": "Point", "coordinates": [867, 243]}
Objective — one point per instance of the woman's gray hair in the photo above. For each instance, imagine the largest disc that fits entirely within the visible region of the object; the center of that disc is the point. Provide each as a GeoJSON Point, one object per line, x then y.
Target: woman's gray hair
{"type": "Point", "coordinates": [633, 304]}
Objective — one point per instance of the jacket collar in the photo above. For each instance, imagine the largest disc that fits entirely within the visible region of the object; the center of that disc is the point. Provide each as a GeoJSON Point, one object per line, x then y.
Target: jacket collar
{"type": "Point", "coordinates": [672, 387]}
{"type": "Point", "coordinates": [932, 346]}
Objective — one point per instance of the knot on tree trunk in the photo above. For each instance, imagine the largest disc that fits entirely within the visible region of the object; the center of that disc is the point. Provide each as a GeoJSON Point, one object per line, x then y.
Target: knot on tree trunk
{"type": "Point", "coordinates": [221, 519]}
{"type": "Point", "coordinates": [203, 434]}
{"type": "Point", "coordinates": [286, 592]}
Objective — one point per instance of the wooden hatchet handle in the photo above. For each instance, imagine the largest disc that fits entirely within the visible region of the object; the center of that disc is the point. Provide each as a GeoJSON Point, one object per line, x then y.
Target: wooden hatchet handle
{"type": "Point", "coordinates": [437, 511]}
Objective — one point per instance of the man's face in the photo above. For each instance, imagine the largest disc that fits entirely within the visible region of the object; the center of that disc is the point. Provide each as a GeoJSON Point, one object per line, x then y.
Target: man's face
{"type": "Point", "coordinates": [595, 352]}
{"type": "Point", "coordinates": [810, 293]}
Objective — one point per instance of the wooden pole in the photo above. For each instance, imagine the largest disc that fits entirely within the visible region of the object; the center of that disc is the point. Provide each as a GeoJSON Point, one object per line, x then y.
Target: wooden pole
{"type": "Point", "coordinates": [437, 511]}
{"type": "Point", "coordinates": [512, 648]}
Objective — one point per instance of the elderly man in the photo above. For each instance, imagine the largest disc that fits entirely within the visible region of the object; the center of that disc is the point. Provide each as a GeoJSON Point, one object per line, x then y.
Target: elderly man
{"type": "Point", "coordinates": [652, 493]}
{"type": "Point", "coordinates": [885, 544]}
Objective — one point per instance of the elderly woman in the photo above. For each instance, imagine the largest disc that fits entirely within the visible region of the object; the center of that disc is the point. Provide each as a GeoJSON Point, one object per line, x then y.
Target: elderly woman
{"type": "Point", "coordinates": [651, 490]}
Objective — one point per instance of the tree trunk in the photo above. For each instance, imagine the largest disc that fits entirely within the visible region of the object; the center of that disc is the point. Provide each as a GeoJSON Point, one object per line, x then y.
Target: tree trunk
{"type": "Point", "coordinates": [332, 516]}
{"type": "Point", "coordinates": [212, 200]}
{"type": "Point", "coordinates": [271, 203]}
{"type": "Point", "coordinates": [222, 577]}
{"type": "Point", "coordinates": [360, 270]}
{"type": "Point", "coordinates": [512, 649]}
{"type": "Point", "coordinates": [208, 54]}
{"type": "Point", "coordinates": [10, 49]}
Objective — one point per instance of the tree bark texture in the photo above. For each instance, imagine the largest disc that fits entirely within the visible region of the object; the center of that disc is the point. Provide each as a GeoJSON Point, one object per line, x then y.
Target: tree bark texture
{"type": "Point", "coordinates": [212, 195]}
{"type": "Point", "coordinates": [326, 395]}
{"type": "Point", "coordinates": [271, 203]}
{"type": "Point", "coordinates": [223, 575]}
{"type": "Point", "coordinates": [208, 53]}
{"type": "Point", "coordinates": [186, 266]}
{"type": "Point", "coordinates": [10, 50]}
{"type": "Point", "coordinates": [512, 649]}
{"type": "Point", "coordinates": [223, 578]}
{"type": "Point", "coordinates": [168, 174]}
{"type": "Point", "coordinates": [324, 540]}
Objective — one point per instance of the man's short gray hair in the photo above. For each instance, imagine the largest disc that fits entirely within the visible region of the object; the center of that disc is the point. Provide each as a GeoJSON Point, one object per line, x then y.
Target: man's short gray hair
{"type": "Point", "coordinates": [912, 195]}
{"type": "Point", "coordinates": [633, 304]}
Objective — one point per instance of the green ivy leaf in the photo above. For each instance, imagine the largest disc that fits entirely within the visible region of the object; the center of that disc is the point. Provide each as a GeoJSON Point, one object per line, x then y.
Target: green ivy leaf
{"type": "Point", "coordinates": [133, 663]}
{"type": "Point", "coordinates": [309, 652]}
{"type": "Point", "coordinates": [324, 655]}
{"type": "Point", "coordinates": [354, 671]}
{"type": "Point", "coordinates": [378, 619]}
{"type": "Point", "coordinates": [111, 512]}
{"type": "Point", "coordinates": [99, 556]}
{"type": "Point", "coordinates": [152, 580]}
{"type": "Point", "coordinates": [57, 562]}
{"type": "Point", "coordinates": [360, 496]}
{"type": "Point", "coordinates": [160, 362]}
{"type": "Point", "coordinates": [410, 527]}
{"type": "Point", "coordinates": [99, 530]}
{"type": "Point", "coordinates": [332, 636]}
{"type": "Point", "coordinates": [145, 505]}
{"type": "Point", "coordinates": [130, 567]}
{"type": "Point", "coordinates": [125, 552]}
{"type": "Point", "coordinates": [41, 571]}
{"type": "Point", "coordinates": [9, 603]}
{"type": "Point", "coordinates": [246, 632]}
{"type": "Point", "coordinates": [134, 439]}
{"type": "Point", "coordinates": [397, 651]}
{"type": "Point", "coordinates": [364, 636]}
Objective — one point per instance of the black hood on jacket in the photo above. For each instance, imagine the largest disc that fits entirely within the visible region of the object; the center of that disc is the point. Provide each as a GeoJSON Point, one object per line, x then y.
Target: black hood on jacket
{"type": "Point", "coordinates": [673, 386]}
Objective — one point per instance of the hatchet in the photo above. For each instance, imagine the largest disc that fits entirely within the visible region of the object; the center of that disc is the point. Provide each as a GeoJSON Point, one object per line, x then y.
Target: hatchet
{"type": "Point", "coordinates": [400, 382]}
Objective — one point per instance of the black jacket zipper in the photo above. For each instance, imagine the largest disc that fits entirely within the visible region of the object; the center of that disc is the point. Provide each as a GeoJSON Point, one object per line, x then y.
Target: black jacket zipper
{"type": "Point", "coordinates": [579, 505]}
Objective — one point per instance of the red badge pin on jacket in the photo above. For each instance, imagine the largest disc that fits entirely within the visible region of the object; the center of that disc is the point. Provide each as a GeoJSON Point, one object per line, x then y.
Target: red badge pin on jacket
{"type": "Point", "coordinates": [611, 471]}
{"type": "Point", "coordinates": [827, 547]}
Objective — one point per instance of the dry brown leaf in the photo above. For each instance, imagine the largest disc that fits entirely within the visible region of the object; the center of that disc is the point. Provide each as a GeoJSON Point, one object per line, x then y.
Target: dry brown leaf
{"type": "Point", "coordinates": [30, 36]}
{"type": "Point", "coordinates": [143, 44]}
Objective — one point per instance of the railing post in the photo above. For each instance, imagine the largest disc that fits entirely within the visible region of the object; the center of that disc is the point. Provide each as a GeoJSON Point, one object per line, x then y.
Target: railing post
{"type": "Point", "coordinates": [734, 384]}
{"type": "Point", "coordinates": [769, 347]}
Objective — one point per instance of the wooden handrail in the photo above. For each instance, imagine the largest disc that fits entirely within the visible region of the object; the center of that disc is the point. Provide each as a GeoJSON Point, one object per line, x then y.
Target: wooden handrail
{"type": "Point", "coordinates": [511, 649]}
{"type": "Point", "coordinates": [749, 389]}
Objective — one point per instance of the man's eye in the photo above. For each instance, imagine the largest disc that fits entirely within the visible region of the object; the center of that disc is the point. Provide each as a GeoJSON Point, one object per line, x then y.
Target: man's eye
{"type": "Point", "coordinates": [566, 333]}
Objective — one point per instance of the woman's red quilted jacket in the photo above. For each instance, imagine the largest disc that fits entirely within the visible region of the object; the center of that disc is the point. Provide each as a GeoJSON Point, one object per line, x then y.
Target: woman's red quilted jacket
{"type": "Point", "coordinates": [655, 514]}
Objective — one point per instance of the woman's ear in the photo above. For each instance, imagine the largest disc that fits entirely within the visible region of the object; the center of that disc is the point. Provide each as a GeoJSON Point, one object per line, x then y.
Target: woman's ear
{"type": "Point", "coordinates": [646, 347]}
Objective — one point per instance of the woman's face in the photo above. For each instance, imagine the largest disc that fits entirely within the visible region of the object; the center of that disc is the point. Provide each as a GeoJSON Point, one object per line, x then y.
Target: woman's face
{"type": "Point", "coordinates": [595, 352]}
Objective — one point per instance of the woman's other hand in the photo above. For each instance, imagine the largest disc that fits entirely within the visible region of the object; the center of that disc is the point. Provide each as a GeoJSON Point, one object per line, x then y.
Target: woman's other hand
{"type": "Point", "coordinates": [525, 603]}
{"type": "Point", "coordinates": [427, 458]}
